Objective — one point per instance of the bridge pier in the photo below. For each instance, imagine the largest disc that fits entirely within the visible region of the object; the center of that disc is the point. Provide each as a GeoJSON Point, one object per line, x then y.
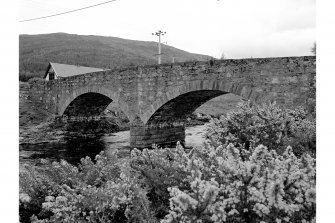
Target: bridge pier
{"type": "Point", "coordinates": [145, 136]}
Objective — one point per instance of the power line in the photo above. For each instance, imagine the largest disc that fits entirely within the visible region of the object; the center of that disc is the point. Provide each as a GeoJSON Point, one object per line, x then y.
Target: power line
{"type": "Point", "coordinates": [67, 11]}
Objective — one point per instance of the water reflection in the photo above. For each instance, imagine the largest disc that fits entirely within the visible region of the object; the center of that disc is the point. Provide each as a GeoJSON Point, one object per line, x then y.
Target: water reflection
{"type": "Point", "coordinates": [76, 148]}
{"type": "Point", "coordinates": [72, 150]}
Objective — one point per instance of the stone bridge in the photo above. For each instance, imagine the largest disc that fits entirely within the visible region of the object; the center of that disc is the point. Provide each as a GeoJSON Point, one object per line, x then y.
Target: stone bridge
{"type": "Point", "coordinates": [157, 98]}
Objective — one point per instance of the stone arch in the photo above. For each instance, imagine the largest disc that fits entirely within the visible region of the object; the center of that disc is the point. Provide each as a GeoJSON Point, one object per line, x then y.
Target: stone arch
{"type": "Point", "coordinates": [218, 87]}
{"type": "Point", "coordinates": [71, 96]}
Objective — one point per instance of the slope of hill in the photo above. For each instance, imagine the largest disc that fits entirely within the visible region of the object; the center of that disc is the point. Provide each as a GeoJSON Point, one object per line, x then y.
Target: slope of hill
{"type": "Point", "coordinates": [95, 51]}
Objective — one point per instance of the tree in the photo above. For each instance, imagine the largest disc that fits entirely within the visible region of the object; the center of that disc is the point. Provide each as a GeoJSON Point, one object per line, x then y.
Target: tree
{"type": "Point", "coordinates": [222, 56]}
{"type": "Point", "coordinates": [313, 49]}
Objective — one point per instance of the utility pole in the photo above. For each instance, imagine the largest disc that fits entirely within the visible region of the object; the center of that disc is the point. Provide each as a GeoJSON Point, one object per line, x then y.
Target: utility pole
{"type": "Point", "coordinates": [159, 33]}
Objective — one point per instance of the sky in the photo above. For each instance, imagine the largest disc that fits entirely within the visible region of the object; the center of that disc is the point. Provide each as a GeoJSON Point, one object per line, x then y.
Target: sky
{"type": "Point", "coordinates": [235, 28]}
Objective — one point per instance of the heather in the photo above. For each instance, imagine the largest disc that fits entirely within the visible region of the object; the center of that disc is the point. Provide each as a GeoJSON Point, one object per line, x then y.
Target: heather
{"type": "Point", "coordinates": [258, 165]}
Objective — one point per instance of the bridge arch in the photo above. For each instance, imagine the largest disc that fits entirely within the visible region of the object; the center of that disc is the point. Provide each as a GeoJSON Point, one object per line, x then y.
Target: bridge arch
{"type": "Point", "coordinates": [192, 95]}
{"type": "Point", "coordinates": [101, 96]}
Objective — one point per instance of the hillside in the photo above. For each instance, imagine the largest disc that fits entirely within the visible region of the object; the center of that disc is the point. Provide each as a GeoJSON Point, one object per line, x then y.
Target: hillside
{"type": "Point", "coordinates": [36, 51]}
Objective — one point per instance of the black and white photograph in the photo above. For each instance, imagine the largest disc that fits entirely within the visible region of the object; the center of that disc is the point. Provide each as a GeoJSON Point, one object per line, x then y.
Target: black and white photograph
{"type": "Point", "coordinates": [166, 111]}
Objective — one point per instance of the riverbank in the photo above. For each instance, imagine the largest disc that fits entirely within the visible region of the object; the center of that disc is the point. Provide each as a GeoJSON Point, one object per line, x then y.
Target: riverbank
{"type": "Point", "coordinates": [39, 134]}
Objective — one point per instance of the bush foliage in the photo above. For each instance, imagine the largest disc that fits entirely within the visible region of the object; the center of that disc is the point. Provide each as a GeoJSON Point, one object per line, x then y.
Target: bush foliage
{"type": "Point", "coordinates": [225, 188]}
{"type": "Point", "coordinates": [100, 191]}
{"type": "Point", "coordinates": [269, 125]}
{"type": "Point", "coordinates": [246, 172]}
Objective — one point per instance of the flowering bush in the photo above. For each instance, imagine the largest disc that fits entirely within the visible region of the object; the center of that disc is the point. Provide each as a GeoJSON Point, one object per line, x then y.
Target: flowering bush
{"type": "Point", "coordinates": [246, 172]}
{"type": "Point", "coordinates": [104, 191]}
{"type": "Point", "coordinates": [208, 184]}
{"type": "Point", "coordinates": [160, 169]}
{"type": "Point", "coordinates": [269, 125]}
{"type": "Point", "coordinates": [226, 188]}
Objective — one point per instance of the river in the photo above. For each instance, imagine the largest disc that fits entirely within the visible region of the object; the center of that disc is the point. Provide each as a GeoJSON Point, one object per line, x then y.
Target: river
{"type": "Point", "coordinates": [76, 148]}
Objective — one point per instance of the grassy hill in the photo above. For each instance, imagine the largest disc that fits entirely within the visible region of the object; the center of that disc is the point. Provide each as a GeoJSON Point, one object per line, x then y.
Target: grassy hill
{"type": "Point", "coordinates": [36, 51]}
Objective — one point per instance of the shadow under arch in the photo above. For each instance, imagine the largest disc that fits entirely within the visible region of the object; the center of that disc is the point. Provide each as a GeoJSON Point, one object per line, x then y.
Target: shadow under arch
{"type": "Point", "coordinates": [180, 101]}
{"type": "Point", "coordinates": [90, 101]}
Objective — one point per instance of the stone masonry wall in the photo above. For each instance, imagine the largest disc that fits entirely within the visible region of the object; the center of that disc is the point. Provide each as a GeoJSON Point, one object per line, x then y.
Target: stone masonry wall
{"type": "Point", "coordinates": [143, 93]}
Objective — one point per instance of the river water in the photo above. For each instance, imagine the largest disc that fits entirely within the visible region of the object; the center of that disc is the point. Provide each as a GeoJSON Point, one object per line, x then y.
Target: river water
{"type": "Point", "coordinates": [76, 148]}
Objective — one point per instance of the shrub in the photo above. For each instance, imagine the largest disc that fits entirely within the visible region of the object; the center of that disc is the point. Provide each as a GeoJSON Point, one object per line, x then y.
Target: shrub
{"type": "Point", "coordinates": [232, 178]}
{"type": "Point", "coordinates": [120, 201]}
{"type": "Point", "coordinates": [207, 184]}
{"type": "Point", "coordinates": [160, 169]}
{"type": "Point", "coordinates": [225, 188]}
{"type": "Point", "coordinates": [24, 77]}
{"type": "Point", "coordinates": [104, 191]}
{"type": "Point", "coordinates": [270, 125]}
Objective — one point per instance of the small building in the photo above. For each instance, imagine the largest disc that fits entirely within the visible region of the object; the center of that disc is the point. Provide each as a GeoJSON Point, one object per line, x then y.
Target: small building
{"type": "Point", "coordinates": [57, 70]}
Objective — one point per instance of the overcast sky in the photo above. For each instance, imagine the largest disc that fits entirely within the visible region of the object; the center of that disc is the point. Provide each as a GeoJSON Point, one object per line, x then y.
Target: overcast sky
{"type": "Point", "coordinates": [237, 28]}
